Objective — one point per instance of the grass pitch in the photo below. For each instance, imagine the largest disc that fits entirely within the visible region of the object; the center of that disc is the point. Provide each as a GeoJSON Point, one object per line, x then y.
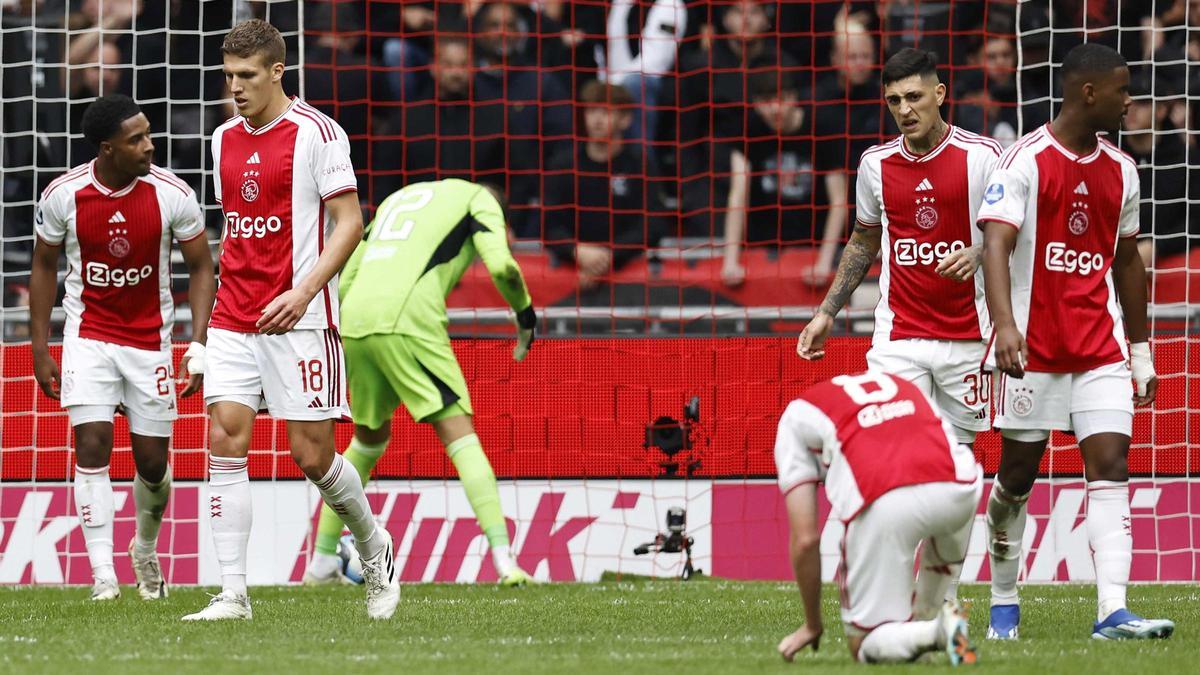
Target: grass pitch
{"type": "Point", "coordinates": [704, 626]}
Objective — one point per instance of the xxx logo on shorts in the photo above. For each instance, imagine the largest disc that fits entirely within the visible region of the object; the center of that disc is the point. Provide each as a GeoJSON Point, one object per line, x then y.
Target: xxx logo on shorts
{"type": "Point", "coordinates": [1022, 401]}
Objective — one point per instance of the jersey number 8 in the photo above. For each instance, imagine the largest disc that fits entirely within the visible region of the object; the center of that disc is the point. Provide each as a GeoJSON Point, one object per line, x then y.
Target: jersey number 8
{"type": "Point", "coordinates": [882, 387]}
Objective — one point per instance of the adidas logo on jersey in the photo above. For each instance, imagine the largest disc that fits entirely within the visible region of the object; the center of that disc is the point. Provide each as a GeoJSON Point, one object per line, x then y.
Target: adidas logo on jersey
{"type": "Point", "coordinates": [315, 403]}
{"type": "Point", "coordinates": [254, 159]}
{"type": "Point", "coordinates": [1081, 189]}
{"type": "Point", "coordinates": [117, 217]}
{"type": "Point", "coordinates": [924, 186]}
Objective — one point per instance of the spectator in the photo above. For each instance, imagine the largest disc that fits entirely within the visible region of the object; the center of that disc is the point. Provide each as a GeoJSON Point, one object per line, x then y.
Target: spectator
{"type": "Point", "coordinates": [779, 183]}
{"type": "Point", "coordinates": [407, 58]}
{"type": "Point", "coordinates": [446, 134]}
{"type": "Point", "coordinates": [712, 104]}
{"type": "Point", "coordinates": [599, 209]}
{"type": "Point", "coordinates": [336, 74]}
{"type": "Point", "coordinates": [538, 107]}
{"type": "Point", "coordinates": [96, 72]}
{"type": "Point", "coordinates": [640, 50]}
{"type": "Point", "coordinates": [1162, 158]}
{"type": "Point", "coordinates": [985, 99]}
{"type": "Point", "coordinates": [568, 37]}
{"type": "Point", "coordinates": [100, 69]}
{"type": "Point", "coordinates": [920, 24]}
{"type": "Point", "coordinates": [850, 118]}
{"type": "Point", "coordinates": [141, 41]}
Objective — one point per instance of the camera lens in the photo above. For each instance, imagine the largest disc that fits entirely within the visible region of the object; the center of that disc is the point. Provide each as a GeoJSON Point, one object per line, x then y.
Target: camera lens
{"type": "Point", "coordinates": [676, 519]}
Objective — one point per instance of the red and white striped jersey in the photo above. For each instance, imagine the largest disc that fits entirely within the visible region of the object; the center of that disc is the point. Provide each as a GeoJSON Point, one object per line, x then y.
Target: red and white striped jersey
{"type": "Point", "coordinates": [865, 435]}
{"type": "Point", "coordinates": [1069, 212]}
{"type": "Point", "coordinates": [118, 246]}
{"type": "Point", "coordinates": [272, 183]}
{"type": "Point", "coordinates": [926, 205]}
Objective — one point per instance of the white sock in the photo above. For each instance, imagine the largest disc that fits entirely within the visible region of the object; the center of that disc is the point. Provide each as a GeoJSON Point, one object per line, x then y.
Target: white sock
{"type": "Point", "coordinates": [323, 564]}
{"type": "Point", "coordinates": [150, 501]}
{"type": "Point", "coordinates": [894, 642]}
{"type": "Point", "coordinates": [502, 558]}
{"type": "Point", "coordinates": [937, 582]}
{"type": "Point", "coordinates": [342, 489]}
{"type": "Point", "coordinates": [1006, 529]}
{"type": "Point", "coordinates": [230, 514]}
{"type": "Point", "coordinates": [94, 506]}
{"type": "Point", "coordinates": [1112, 544]}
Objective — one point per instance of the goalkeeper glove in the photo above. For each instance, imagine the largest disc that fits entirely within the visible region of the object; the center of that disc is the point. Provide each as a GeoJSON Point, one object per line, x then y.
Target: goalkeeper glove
{"type": "Point", "coordinates": [195, 357]}
{"type": "Point", "coordinates": [1141, 362]}
{"type": "Point", "coordinates": [526, 327]}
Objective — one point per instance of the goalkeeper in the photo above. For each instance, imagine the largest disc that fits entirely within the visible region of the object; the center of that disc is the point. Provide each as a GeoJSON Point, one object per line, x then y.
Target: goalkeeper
{"type": "Point", "coordinates": [394, 329]}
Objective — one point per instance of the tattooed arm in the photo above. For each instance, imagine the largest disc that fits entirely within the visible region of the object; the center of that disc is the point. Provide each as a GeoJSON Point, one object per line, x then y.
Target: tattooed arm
{"type": "Point", "coordinates": [856, 261]}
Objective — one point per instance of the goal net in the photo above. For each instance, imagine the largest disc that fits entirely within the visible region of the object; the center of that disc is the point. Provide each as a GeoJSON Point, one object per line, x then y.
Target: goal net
{"type": "Point", "coordinates": [630, 138]}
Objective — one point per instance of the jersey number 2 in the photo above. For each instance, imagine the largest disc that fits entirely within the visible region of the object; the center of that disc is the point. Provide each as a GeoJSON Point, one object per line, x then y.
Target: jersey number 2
{"type": "Point", "coordinates": [406, 201]}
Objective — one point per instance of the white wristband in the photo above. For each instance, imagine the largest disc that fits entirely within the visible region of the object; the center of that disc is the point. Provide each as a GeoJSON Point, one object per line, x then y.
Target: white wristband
{"type": "Point", "coordinates": [1141, 362]}
{"type": "Point", "coordinates": [195, 354]}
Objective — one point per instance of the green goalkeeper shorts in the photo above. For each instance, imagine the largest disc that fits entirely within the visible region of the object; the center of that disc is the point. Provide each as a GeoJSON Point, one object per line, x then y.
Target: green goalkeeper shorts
{"type": "Point", "coordinates": [384, 371]}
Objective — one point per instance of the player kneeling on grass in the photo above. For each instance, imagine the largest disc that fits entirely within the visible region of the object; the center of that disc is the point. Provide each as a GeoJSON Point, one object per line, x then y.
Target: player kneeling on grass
{"type": "Point", "coordinates": [116, 217]}
{"type": "Point", "coordinates": [393, 292]}
{"type": "Point", "coordinates": [898, 479]}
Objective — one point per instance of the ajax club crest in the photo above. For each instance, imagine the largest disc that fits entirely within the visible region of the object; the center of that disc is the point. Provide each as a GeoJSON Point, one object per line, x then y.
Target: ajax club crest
{"type": "Point", "coordinates": [250, 190]}
{"type": "Point", "coordinates": [1077, 222]}
{"type": "Point", "coordinates": [927, 215]}
{"type": "Point", "coordinates": [1022, 401]}
{"type": "Point", "coordinates": [118, 246]}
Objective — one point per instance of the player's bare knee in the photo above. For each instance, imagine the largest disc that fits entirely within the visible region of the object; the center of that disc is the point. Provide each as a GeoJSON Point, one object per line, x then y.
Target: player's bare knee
{"type": "Point", "coordinates": [451, 429]}
{"type": "Point", "coordinates": [93, 444]}
{"type": "Point", "coordinates": [804, 543]}
{"type": "Point", "coordinates": [854, 642]}
{"type": "Point", "coordinates": [1019, 462]}
{"type": "Point", "coordinates": [224, 442]}
{"type": "Point", "coordinates": [314, 459]}
{"type": "Point", "coordinates": [1105, 457]}
{"type": "Point", "coordinates": [312, 447]}
{"type": "Point", "coordinates": [150, 457]}
{"type": "Point", "coordinates": [313, 464]}
{"type": "Point", "coordinates": [373, 436]}
{"type": "Point", "coordinates": [1017, 476]}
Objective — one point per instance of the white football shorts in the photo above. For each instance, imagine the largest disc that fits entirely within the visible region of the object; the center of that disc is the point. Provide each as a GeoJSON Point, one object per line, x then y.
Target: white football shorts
{"type": "Point", "coordinates": [300, 375]}
{"type": "Point", "coordinates": [879, 548]}
{"type": "Point", "coordinates": [948, 371]}
{"type": "Point", "coordinates": [1049, 401]}
{"type": "Point", "coordinates": [98, 376]}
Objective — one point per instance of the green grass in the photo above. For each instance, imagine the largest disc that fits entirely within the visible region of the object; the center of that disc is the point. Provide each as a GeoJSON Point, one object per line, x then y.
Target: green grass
{"type": "Point", "coordinates": [707, 626]}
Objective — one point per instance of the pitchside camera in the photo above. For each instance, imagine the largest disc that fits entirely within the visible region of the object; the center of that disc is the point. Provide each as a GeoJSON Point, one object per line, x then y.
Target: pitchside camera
{"type": "Point", "coordinates": [675, 539]}
{"type": "Point", "coordinates": [673, 437]}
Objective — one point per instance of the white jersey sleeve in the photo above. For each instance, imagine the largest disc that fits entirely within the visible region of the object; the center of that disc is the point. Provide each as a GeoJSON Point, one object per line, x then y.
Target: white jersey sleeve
{"type": "Point", "coordinates": [1129, 225]}
{"type": "Point", "coordinates": [805, 435]}
{"type": "Point", "coordinates": [867, 206]}
{"type": "Point", "coordinates": [50, 219]}
{"type": "Point", "coordinates": [331, 166]}
{"type": "Point", "coordinates": [216, 155]}
{"type": "Point", "coordinates": [982, 161]}
{"type": "Point", "coordinates": [1009, 188]}
{"type": "Point", "coordinates": [187, 222]}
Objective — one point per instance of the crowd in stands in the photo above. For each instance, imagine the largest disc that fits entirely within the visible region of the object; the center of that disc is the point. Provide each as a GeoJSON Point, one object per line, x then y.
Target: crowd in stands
{"type": "Point", "coordinates": [611, 124]}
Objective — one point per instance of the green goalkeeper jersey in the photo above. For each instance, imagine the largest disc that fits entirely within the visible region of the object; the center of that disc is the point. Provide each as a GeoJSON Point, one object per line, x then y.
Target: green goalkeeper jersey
{"type": "Point", "coordinates": [422, 240]}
